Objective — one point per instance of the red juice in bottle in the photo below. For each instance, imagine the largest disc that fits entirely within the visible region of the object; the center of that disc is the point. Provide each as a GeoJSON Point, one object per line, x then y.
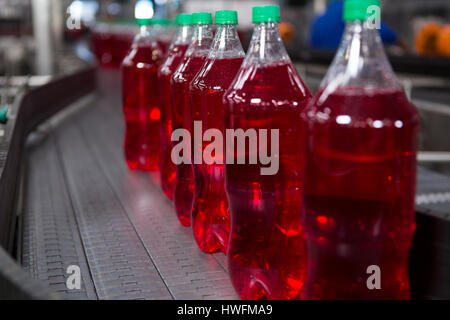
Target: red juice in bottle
{"type": "Point", "coordinates": [175, 56]}
{"type": "Point", "coordinates": [95, 42]}
{"type": "Point", "coordinates": [116, 48]}
{"type": "Point", "coordinates": [123, 36]}
{"type": "Point", "coordinates": [360, 163]}
{"type": "Point", "coordinates": [181, 108]}
{"type": "Point", "coordinates": [140, 102]}
{"type": "Point", "coordinates": [266, 253]}
{"type": "Point", "coordinates": [210, 214]}
{"type": "Point", "coordinates": [102, 45]}
{"type": "Point", "coordinates": [164, 43]}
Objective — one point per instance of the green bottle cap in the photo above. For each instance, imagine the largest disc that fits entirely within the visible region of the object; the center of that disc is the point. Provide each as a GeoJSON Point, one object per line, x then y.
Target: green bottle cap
{"type": "Point", "coordinates": [3, 114]}
{"type": "Point", "coordinates": [358, 9]}
{"type": "Point", "coordinates": [161, 22]}
{"type": "Point", "coordinates": [226, 17]}
{"type": "Point", "coordinates": [183, 19]}
{"type": "Point", "coordinates": [202, 18]}
{"type": "Point", "coordinates": [144, 22]}
{"type": "Point", "coordinates": [266, 14]}
{"type": "Point", "coordinates": [125, 22]}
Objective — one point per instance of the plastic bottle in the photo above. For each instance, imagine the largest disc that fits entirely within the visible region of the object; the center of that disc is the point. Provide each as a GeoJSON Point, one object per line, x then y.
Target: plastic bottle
{"type": "Point", "coordinates": [140, 101]}
{"type": "Point", "coordinates": [116, 31]}
{"type": "Point", "coordinates": [210, 214]}
{"type": "Point", "coordinates": [181, 107]}
{"type": "Point", "coordinates": [175, 55]}
{"type": "Point", "coordinates": [102, 41]}
{"type": "Point", "coordinates": [123, 36]}
{"type": "Point", "coordinates": [161, 31]}
{"type": "Point", "coordinates": [266, 254]}
{"type": "Point", "coordinates": [360, 161]}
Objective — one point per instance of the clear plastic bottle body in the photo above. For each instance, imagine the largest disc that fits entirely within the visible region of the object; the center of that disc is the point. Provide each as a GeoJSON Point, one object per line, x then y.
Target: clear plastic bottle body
{"type": "Point", "coordinates": [174, 57]}
{"type": "Point", "coordinates": [123, 38]}
{"type": "Point", "coordinates": [163, 34]}
{"type": "Point", "coordinates": [360, 162]}
{"type": "Point", "coordinates": [102, 42]}
{"type": "Point", "coordinates": [140, 103]}
{"type": "Point", "coordinates": [181, 114]}
{"type": "Point", "coordinates": [210, 214]}
{"type": "Point", "coordinates": [266, 254]}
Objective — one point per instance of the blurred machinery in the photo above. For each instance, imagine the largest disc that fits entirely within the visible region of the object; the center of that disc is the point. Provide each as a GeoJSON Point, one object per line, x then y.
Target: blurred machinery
{"type": "Point", "coordinates": [15, 36]}
{"type": "Point", "coordinates": [36, 35]}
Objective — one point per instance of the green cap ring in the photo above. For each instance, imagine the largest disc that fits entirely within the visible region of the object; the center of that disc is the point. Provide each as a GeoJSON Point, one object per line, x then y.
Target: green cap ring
{"type": "Point", "coordinates": [161, 22]}
{"type": "Point", "coordinates": [144, 22]}
{"type": "Point", "coordinates": [183, 19]}
{"type": "Point", "coordinates": [266, 14]}
{"type": "Point", "coordinates": [125, 22]}
{"type": "Point", "coordinates": [226, 17]}
{"type": "Point", "coordinates": [202, 18]}
{"type": "Point", "coordinates": [358, 9]}
{"type": "Point", "coordinates": [3, 114]}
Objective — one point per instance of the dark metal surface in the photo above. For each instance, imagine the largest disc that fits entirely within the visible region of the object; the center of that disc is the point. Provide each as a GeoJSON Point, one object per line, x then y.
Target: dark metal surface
{"type": "Point", "coordinates": [36, 106]}
{"type": "Point", "coordinates": [430, 252]}
{"type": "Point", "coordinates": [17, 284]}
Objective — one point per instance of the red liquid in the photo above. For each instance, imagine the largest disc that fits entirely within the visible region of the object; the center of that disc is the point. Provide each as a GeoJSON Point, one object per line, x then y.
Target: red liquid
{"type": "Point", "coordinates": [266, 254]}
{"type": "Point", "coordinates": [210, 214]}
{"type": "Point", "coordinates": [164, 43]}
{"type": "Point", "coordinates": [181, 116]}
{"type": "Point", "coordinates": [95, 44]}
{"type": "Point", "coordinates": [359, 193]}
{"type": "Point", "coordinates": [141, 107]}
{"type": "Point", "coordinates": [165, 73]}
{"type": "Point", "coordinates": [102, 47]}
{"type": "Point", "coordinates": [121, 46]}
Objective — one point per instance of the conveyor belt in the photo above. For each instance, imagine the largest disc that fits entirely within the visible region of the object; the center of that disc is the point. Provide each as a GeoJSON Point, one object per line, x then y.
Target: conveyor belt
{"type": "Point", "coordinates": [84, 207]}
{"type": "Point", "coordinates": [433, 193]}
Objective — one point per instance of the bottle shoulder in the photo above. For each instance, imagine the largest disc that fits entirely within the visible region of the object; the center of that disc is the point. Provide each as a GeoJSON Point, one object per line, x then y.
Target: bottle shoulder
{"type": "Point", "coordinates": [149, 54]}
{"type": "Point", "coordinates": [189, 67]}
{"type": "Point", "coordinates": [275, 83]}
{"type": "Point", "coordinates": [360, 61]}
{"type": "Point", "coordinates": [362, 107]}
{"type": "Point", "coordinates": [171, 62]}
{"type": "Point", "coordinates": [217, 74]}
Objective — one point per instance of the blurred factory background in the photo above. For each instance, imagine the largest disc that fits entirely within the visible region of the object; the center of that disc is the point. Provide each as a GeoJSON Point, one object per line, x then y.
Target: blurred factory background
{"type": "Point", "coordinates": [33, 32]}
{"type": "Point", "coordinates": [44, 38]}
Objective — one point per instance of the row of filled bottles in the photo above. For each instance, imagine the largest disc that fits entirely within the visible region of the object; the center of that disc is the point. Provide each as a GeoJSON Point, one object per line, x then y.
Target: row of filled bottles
{"type": "Point", "coordinates": [334, 219]}
{"type": "Point", "coordinates": [111, 42]}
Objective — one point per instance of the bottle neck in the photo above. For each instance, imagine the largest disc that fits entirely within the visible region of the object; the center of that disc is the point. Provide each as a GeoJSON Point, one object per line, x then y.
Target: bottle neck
{"type": "Point", "coordinates": [144, 31]}
{"type": "Point", "coordinates": [143, 38]}
{"type": "Point", "coordinates": [226, 43]}
{"type": "Point", "coordinates": [360, 60]}
{"type": "Point", "coordinates": [202, 40]}
{"type": "Point", "coordinates": [203, 35]}
{"type": "Point", "coordinates": [157, 29]}
{"type": "Point", "coordinates": [266, 46]}
{"type": "Point", "coordinates": [184, 34]}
